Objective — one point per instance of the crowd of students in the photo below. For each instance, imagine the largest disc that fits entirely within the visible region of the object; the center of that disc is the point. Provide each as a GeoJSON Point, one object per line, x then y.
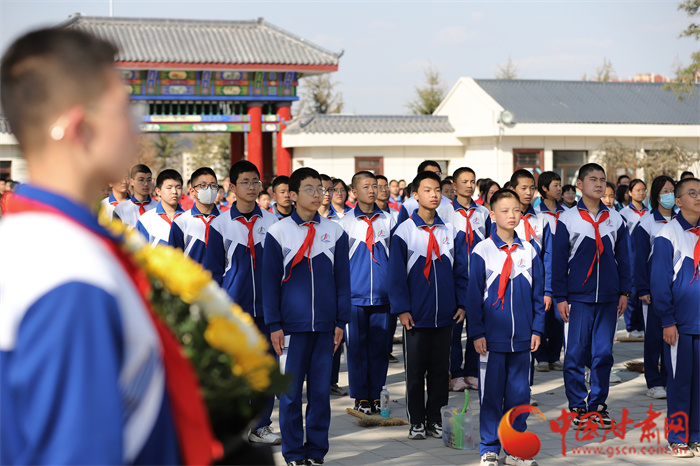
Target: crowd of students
{"type": "Point", "coordinates": [527, 269]}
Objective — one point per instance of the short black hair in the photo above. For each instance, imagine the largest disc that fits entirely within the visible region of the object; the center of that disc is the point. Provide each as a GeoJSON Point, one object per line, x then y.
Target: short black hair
{"type": "Point", "coordinates": [282, 179]}
{"type": "Point", "coordinates": [361, 174]}
{"type": "Point", "coordinates": [445, 181]}
{"type": "Point", "coordinates": [503, 193]}
{"type": "Point", "coordinates": [409, 189]}
{"type": "Point", "coordinates": [139, 168]}
{"type": "Point", "coordinates": [481, 184]}
{"type": "Point", "coordinates": [47, 71]}
{"type": "Point", "coordinates": [263, 193]}
{"type": "Point", "coordinates": [461, 170]}
{"type": "Point", "coordinates": [545, 180]}
{"type": "Point", "coordinates": [610, 185]}
{"type": "Point", "coordinates": [325, 178]}
{"type": "Point", "coordinates": [568, 187]}
{"type": "Point", "coordinates": [424, 175]}
{"type": "Point", "coordinates": [518, 175]}
{"type": "Point", "coordinates": [428, 163]}
{"type": "Point", "coordinates": [588, 168]}
{"type": "Point", "coordinates": [242, 166]}
{"type": "Point", "coordinates": [678, 189]}
{"type": "Point", "coordinates": [635, 182]}
{"type": "Point", "coordinates": [337, 181]}
{"type": "Point", "coordinates": [620, 193]}
{"type": "Point", "coordinates": [382, 177]}
{"type": "Point", "coordinates": [201, 171]}
{"type": "Point", "coordinates": [168, 174]}
{"type": "Point", "coordinates": [620, 178]}
{"type": "Point", "coordinates": [656, 186]}
{"type": "Point", "coordinates": [299, 175]}
{"type": "Point", "coordinates": [687, 173]}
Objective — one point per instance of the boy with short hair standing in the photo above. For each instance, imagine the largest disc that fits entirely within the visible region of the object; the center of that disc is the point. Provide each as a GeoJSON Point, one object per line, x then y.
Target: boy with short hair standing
{"type": "Point", "coordinates": [428, 301]}
{"type": "Point", "coordinates": [306, 306]}
{"type": "Point", "coordinates": [140, 181]}
{"type": "Point", "coordinates": [591, 284]}
{"type": "Point", "coordinates": [155, 224]}
{"type": "Point", "coordinates": [675, 289]}
{"type": "Point", "coordinates": [506, 321]}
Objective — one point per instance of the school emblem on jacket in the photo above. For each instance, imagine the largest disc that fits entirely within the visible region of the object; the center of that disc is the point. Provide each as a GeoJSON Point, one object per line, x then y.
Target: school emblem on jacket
{"type": "Point", "coordinates": [609, 223]}
{"type": "Point", "coordinates": [446, 240]}
{"type": "Point", "coordinates": [521, 263]}
{"type": "Point", "coordinates": [380, 234]}
{"type": "Point", "coordinates": [261, 230]}
{"type": "Point", "coordinates": [325, 238]}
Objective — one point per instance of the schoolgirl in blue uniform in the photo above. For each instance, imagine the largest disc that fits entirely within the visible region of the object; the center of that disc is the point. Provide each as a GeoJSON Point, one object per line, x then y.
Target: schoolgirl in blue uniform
{"type": "Point", "coordinates": [155, 224]}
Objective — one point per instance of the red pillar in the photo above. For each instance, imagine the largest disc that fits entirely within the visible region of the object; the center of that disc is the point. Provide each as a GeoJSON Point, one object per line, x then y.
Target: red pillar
{"type": "Point", "coordinates": [255, 135]}
{"type": "Point", "coordinates": [267, 173]}
{"type": "Point", "coordinates": [237, 147]}
{"type": "Point", "coordinates": [284, 155]}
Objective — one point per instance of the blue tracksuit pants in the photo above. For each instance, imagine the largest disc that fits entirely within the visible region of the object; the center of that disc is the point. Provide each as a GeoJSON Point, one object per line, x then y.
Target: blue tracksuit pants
{"type": "Point", "coordinates": [553, 338]}
{"type": "Point", "coordinates": [653, 348]}
{"type": "Point", "coordinates": [683, 389]}
{"type": "Point", "coordinates": [589, 338]}
{"type": "Point", "coordinates": [467, 365]}
{"type": "Point", "coordinates": [503, 384]}
{"type": "Point", "coordinates": [270, 402]}
{"type": "Point", "coordinates": [366, 341]}
{"type": "Point", "coordinates": [307, 356]}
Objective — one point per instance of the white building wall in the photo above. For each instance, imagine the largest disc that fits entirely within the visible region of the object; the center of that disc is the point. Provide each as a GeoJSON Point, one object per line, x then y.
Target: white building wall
{"type": "Point", "coordinates": [9, 151]}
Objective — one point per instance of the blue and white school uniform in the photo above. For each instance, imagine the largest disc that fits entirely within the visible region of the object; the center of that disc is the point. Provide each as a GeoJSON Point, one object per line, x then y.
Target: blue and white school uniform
{"type": "Point", "coordinates": [82, 379]}
{"type": "Point", "coordinates": [410, 205]}
{"type": "Point", "coordinates": [307, 301]}
{"type": "Point", "coordinates": [336, 215]}
{"type": "Point", "coordinates": [465, 361]}
{"type": "Point", "coordinates": [644, 235]}
{"type": "Point", "coordinates": [507, 316]}
{"type": "Point", "coordinates": [155, 224]}
{"type": "Point", "coordinates": [634, 319]}
{"type": "Point", "coordinates": [591, 283]}
{"type": "Point", "coordinates": [190, 232]}
{"type": "Point", "coordinates": [675, 290]}
{"type": "Point", "coordinates": [130, 210]}
{"type": "Point", "coordinates": [109, 203]}
{"type": "Point", "coordinates": [367, 333]}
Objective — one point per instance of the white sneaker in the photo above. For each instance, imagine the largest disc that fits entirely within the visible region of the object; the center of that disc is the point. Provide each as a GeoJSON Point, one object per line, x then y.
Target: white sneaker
{"type": "Point", "coordinates": [637, 334]}
{"type": "Point", "coordinates": [658, 393]}
{"type": "Point", "coordinates": [489, 459]}
{"type": "Point", "coordinates": [264, 435]}
{"type": "Point", "coordinates": [512, 460]}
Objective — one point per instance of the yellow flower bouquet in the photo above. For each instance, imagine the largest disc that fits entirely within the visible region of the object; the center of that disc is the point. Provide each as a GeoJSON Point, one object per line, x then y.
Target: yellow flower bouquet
{"type": "Point", "coordinates": [231, 357]}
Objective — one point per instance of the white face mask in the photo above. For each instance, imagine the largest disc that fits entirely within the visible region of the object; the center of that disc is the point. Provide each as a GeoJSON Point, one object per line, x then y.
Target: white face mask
{"type": "Point", "coordinates": [207, 195]}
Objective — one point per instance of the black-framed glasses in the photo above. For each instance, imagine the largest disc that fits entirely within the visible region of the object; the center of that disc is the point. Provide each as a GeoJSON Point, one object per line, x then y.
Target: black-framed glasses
{"type": "Point", "coordinates": [205, 186]}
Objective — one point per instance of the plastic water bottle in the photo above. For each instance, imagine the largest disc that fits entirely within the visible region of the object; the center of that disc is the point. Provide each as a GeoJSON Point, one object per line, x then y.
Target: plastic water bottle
{"type": "Point", "coordinates": [384, 402]}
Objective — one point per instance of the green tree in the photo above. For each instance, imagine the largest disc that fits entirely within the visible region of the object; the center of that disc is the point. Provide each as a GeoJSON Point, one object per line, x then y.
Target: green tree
{"type": "Point", "coordinates": [605, 72]}
{"type": "Point", "coordinates": [210, 150]}
{"type": "Point", "coordinates": [666, 157]}
{"type": "Point", "coordinates": [507, 71]}
{"type": "Point", "coordinates": [166, 151]}
{"type": "Point", "coordinates": [429, 95]}
{"type": "Point", "coordinates": [319, 94]}
{"type": "Point", "coordinates": [688, 76]}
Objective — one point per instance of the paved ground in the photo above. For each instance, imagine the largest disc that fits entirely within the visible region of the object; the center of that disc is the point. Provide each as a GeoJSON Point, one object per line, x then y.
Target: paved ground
{"type": "Point", "coordinates": [351, 444]}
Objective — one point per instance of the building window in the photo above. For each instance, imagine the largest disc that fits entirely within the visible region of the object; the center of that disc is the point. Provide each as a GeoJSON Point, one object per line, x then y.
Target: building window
{"type": "Point", "coordinates": [5, 169]}
{"type": "Point", "coordinates": [567, 163]}
{"type": "Point", "coordinates": [370, 164]}
{"type": "Point", "coordinates": [531, 160]}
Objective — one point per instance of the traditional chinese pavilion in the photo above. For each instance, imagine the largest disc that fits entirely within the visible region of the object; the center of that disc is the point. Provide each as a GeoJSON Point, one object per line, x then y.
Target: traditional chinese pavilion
{"type": "Point", "coordinates": [237, 77]}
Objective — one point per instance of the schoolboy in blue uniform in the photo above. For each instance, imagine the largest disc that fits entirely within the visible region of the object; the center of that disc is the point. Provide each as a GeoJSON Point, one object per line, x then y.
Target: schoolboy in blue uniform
{"type": "Point", "coordinates": [140, 202]}
{"type": "Point", "coordinates": [410, 204]}
{"type": "Point", "coordinates": [306, 306]}
{"type": "Point", "coordinates": [119, 193]}
{"type": "Point", "coordinates": [428, 301]}
{"type": "Point", "coordinates": [190, 231]}
{"type": "Point", "coordinates": [473, 225]}
{"type": "Point", "coordinates": [591, 284]}
{"type": "Point", "coordinates": [283, 206]}
{"type": "Point", "coordinates": [662, 202]}
{"type": "Point", "coordinates": [369, 230]}
{"type": "Point", "coordinates": [675, 289]}
{"type": "Point", "coordinates": [549, 352]}
{"type": "Point", "coordinates": [234, 255]}
{"type": "Point", "coordinates": [506, 321]}
{"type": "Point", "coordinates": [155, 224]}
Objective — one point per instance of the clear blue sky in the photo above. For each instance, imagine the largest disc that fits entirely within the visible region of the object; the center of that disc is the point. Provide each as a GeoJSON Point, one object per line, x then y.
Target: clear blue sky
{"type": "Point", "coordinates": [387, 44]}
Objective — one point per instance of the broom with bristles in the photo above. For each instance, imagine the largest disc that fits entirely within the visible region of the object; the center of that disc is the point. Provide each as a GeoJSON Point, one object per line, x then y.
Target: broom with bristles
{"type": "Point", "coordinates": [367, 420]}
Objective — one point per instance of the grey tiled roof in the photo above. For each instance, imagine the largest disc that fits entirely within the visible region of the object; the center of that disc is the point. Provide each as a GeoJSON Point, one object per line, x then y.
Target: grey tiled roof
{"type": "Point", "coordinates": [203, 41]}
{"type": "Point", "coordinates": [323, 123]}
{"type": "Point", "coordinates": [535, 101]}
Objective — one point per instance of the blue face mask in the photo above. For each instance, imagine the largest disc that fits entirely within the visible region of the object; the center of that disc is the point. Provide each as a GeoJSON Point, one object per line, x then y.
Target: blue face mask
{"type": "Point", "coordinates": [667, 200]}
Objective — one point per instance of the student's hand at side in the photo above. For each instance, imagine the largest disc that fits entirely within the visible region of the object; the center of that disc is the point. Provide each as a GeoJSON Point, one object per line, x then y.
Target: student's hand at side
{"type": "Point", "coordinates": [621, 305]}
{"type": "Point", "coordinates": [671, 335]}
{"type": "Point", "coordinates": [480, 346]}
{"type": "Point", "coordinates": [534, 343]}
{"type": "Point", "coordinates": [337, 338]}
{"type": "Point", "coordinates": [563, 308]}
{"type": "Point", "coordinates": [547, 303]}
{"type": "Point", "coordinates": [646, 298]}
{"type": "Point", "coordinates": [406, 320]}
{"type": "Point", "coordinates": [459, 315]}
{"type": "Point", "coordinates": [277, 338]}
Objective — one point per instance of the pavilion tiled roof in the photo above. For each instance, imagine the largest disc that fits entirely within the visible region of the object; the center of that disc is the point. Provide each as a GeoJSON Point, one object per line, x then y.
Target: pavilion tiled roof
{"type": "Point", "coordinates": [332, 123]}
{"type": "Point", "coordinates": [201, 42]}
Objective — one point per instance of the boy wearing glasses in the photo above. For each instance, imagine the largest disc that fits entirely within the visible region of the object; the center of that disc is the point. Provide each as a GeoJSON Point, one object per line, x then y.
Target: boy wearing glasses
{"type": "Point", "coordinates": [140, 202]}
{"type": "Point", "coordinates": [307, 306]}
{"type": "Point", "coordinates": [368, 228]}
{"type": "Point", "coordinates": [234, 255]}
{"type": "Point", "coordinates": [675, 288]}
{"type": "Point", "coordinates": [190, 231]}
{"type": "Point", "coordinates": [155, 224]}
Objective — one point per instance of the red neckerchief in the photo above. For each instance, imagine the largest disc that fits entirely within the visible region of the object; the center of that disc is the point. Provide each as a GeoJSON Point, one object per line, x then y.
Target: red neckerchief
{"type": "Point", "coordinates": [696, 253]}
{"type": "Point", "coordinates": [369, 238]}
{"type": "Point", "coordinates": [529, 231]}
{"type": "Point", "coordinates": [306, 246]}
{"type": "Point", "coordinates": [505, 274]}
{"type": "Point", "coordinates": [195, 438]}
{"type": "Point", "coordinates": [432, 247]}
{"type": "Point", "coordinates": [470, 231]}
{"type": "Point", "coordinates": [142, 209]}
{"type": "Point", "coordinates": [598, 240]}
{"type": "Point", "coordinates": [167, 219]}
{"type": "Point", "coordinates": [638, 212]}
{"type": "Point", "coordinates": [249, 226]}
{"type": "Point", "coordinates": [207, 222]}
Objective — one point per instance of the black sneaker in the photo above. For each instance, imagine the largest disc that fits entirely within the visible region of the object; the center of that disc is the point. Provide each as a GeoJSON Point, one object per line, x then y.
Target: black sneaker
{"type": "Point", "coordinates": [694, 447]}
{"type": "Point", "coordinates": [376, 407]}
{"type": "Point", "coordinates": [314, 461]}
{"type": "Point", "coordinates": [434, 429]}
{"type": "Point", "coordinates": [580, 412]}
{"type": "Point", "coordinates": [337, 391]}
{"type": "Point", "coordinates": [603, 420]}
{"type": "Point", "coordinates": [393, 359]}
{"type": "Point", "coordinates": [363, 406]}
{"type": "Point", "coordinates": [416, 432]}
